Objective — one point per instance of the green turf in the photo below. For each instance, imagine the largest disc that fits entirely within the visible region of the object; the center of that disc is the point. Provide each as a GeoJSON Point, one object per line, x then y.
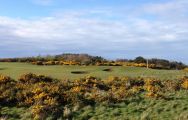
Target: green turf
{"type": "Point", "coordinates": [64, 72]}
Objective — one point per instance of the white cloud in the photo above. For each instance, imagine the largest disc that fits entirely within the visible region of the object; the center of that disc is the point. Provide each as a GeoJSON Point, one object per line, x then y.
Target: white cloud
{"type": "Point", "coordinates": [172, 10]}
{"type": "Point", "coordinates": [84, 32]}
{"type": "Point", "coordinates": [74, 29]}
{"type": "Point", "coordinates": [165, 7]}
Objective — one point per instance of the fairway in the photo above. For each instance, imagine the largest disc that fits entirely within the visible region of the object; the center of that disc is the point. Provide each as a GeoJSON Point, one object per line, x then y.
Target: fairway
{"type": "Point", "coordinates": [14, 70]}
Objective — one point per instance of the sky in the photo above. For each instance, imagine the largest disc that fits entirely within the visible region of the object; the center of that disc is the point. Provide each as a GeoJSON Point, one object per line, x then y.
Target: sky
{"type": "Point", "coordinates": [109, 28]}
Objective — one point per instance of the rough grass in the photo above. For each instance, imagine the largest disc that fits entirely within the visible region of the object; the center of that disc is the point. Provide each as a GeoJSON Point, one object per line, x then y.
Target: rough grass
{"type": "Point", "coordinates": [137, 109]}
{"type": "Point", "coordinates": [141, 109]}
{"type": "Point", "coordinates": [132, 109]}
{"type": "Point", "coordinates": [14, 70]}
{"type": "Point", "coordinates": [13, 113]}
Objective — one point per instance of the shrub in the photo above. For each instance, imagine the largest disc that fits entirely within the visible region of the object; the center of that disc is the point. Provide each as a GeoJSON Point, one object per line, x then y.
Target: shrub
{"type": "Point", "coordinates": [48, 97]}
{"type": "Point", "coordinates": [185, 82]}
{"type": "Point", "coordinates": [186, 69]}
{"type": "Point", "coordinates": [50, 63]}
{"type": "Point", "coordinates": [5, 79]}
{"type": "Point", "coordinates": [171, 85]}
{"type": "Point", "coordinates": [7, 90]}
{"type": "Point", "coordinates": [32, 78]}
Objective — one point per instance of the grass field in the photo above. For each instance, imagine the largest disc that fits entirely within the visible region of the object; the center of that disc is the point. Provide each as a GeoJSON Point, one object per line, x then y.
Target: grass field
{"type": "Point", "coordinates": [133, 108]}
{"type": "Point", "coordinates": [14, 70]}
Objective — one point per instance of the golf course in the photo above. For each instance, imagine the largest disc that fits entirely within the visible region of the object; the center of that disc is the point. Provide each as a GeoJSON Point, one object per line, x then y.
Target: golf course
{"type": "Point", "coordinates": [14, 70]}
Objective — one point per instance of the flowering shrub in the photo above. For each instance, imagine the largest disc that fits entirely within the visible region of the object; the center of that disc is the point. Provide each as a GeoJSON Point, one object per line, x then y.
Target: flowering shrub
{"type": "Point", "coordinates": [171, 85]}
{"type": "Point", "coordinates": [185, 83]}
{"type": "Point", "coordinates": [47, 96]}
{"type": "Point", "coordinates": [5, 79]}
{"type": "Point", "coordinates": [186, 69]}
{"type": "Point", "coordinates": [50, 63]}
{"type": "Point", "coordinates": [153, 87]}
{"type": "Point", "coordinates": [32, 78]}
{"type": "Point", "coordinates": [7, 89]}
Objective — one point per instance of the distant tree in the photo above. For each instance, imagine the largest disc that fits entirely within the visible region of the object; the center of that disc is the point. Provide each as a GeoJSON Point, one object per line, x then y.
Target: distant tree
{"type": "Point", "coordinates": [140, 60]}
{"type": "Point", "coordinates": [97, 59]}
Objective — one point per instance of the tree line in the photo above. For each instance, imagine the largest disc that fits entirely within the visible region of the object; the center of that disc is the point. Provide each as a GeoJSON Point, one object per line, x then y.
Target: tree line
{"type": "Point", "coordinates": [86, 59]}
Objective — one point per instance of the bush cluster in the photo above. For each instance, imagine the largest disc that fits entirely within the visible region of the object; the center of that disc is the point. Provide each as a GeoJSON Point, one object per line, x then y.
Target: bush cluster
{"type": "Point", "coordinates": [45, 96]}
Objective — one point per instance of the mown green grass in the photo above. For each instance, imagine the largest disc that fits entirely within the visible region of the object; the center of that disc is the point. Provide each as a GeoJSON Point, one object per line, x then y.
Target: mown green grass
{"type": "Point", "coordinates": [14, 70]}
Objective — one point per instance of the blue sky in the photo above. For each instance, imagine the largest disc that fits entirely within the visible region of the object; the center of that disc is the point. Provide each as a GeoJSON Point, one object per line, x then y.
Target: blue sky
{"type": "Point", "coordinates": [110, 28]}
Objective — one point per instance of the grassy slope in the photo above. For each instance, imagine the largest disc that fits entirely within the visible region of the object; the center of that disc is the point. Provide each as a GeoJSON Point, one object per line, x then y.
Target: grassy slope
{"type": "Point", "coordinates": [64, 72]}
{"type": "Point", "coordinates": [141, 109]}
{"type": "Point", "coordinates": [132, 109]}
{"type": "Point", "coordinates": [176, 108]}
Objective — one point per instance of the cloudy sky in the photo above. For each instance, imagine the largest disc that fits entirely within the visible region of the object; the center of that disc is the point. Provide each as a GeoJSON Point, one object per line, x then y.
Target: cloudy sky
{"type": "Point", "coordinates": [110, 28]}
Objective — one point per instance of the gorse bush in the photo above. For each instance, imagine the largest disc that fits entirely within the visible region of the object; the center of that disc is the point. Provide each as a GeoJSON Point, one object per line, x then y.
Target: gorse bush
{"type": "Point", "coordinates": [170, 85]}
{"type": "Point", "coordinates": [153, 87]}
{"type": "Point", "coordinates": [7, 90]}
{"type": "Point", "coordinates": [45, 96]}
{"type": "Point", "coordinates": [32, 78]}
{"type": "Point", "coordinates": [185, 83]}
{"type": "Point", "coordinates": [5, 79]}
